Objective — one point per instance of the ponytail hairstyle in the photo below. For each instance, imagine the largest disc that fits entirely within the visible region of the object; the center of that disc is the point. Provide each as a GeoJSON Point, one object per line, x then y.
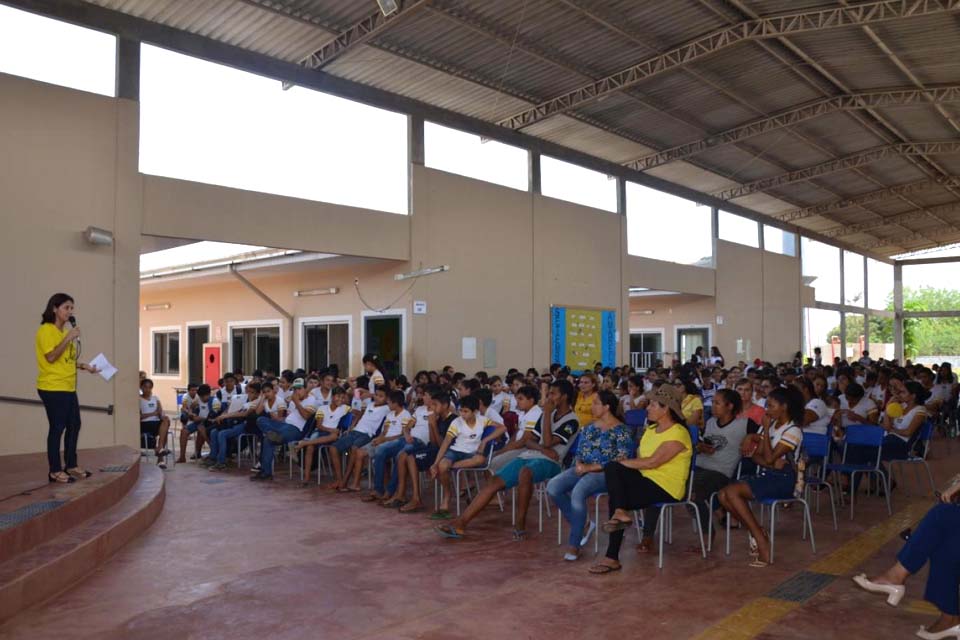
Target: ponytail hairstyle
{"type": "Point", "coordinates": [610, 400]}
{"type": "Point", "coordinates": [50, 313]}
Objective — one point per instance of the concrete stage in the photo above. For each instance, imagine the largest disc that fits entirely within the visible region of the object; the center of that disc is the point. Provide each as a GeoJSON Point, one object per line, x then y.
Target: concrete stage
{"type": "Point", "coordinates": [229, 558]}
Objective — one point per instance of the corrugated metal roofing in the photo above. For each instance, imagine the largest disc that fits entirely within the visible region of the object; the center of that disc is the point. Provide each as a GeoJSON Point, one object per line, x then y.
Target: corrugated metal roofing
{"type": "Point", "coordinates": [494, 58]}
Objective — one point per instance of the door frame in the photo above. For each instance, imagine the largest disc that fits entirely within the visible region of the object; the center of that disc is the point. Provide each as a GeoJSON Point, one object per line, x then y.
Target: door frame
{"type": "Point", "coordinates": [191, 325]}
{"type": "Point", "coordinates": [660, 330]}
{"type": "Point", "coordinates": [404, 341]}
{"type": "Point", "coordinates": [168, 329]}
{"type": "Point", "coordinates": [676, 337]}
{"type": "Point", "coordinates": [301, 347]}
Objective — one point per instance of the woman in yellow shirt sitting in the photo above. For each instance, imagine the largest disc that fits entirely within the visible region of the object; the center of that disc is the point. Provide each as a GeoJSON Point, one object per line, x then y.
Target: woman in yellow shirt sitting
{"type": "Point", "coordinates": [658, 474]}
{"type": "Point", "coordinates": [587, 388]}
{"type": "Point", "coordinates": [691, 407]}
{"type": "Point", "coordinates": [57, 366]}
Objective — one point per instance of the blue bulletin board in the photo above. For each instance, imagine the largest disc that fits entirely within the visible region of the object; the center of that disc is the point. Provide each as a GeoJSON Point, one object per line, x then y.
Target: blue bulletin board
{"type": "Point", "coordinates": [581, 337]}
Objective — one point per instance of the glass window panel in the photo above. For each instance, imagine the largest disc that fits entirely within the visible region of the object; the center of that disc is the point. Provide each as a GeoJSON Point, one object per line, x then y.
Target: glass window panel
{"type": "Point", "coordinates": [468, 155]}
{"type": "Point", "coordinates": [734, 228]}
{"type": "Point", "coordinates": [665, 227]}
{"type": "Point", "coordinates": [166, 353]}
{"type": "Point", "coordinates": [52, 51]}
{"type": "Point", "coordinates": [569, 182]}
{"type": "Point", "coordinates": [821, 269]}
{"type": "Point", "coordinates": [879, 284]}
{"type": "Point", "coordinates": [821, 328]}
{"type": "Point", "coordinates": [779, 241]}
{"type": "Point", "coordinates": [209, 123]}
{"type": "Point", "coordinates": [931, 287]}
{"type": "Point", "coordinates": [881, 338]}
{"type": "Point", "coordinates": [853, 279]}
{"type": "Point", "coordinates": [256, 348]}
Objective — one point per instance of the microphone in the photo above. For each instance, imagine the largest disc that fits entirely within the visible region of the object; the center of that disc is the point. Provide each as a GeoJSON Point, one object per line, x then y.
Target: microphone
{"type": "Point", "coordinates": [73, 321]}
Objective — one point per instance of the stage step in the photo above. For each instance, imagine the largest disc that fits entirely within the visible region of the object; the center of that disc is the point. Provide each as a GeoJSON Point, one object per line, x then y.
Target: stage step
{"type": "Point", "coordinates": [47, 569]}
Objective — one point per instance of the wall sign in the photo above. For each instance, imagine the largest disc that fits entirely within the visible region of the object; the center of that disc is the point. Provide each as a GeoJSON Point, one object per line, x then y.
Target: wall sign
{"type": "Point", "coordinates": [581, 337]}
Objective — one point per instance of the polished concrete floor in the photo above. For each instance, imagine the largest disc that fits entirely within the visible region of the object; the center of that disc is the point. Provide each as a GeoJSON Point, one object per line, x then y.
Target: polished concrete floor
{"type": "Point", "coordinates": [229, 558]}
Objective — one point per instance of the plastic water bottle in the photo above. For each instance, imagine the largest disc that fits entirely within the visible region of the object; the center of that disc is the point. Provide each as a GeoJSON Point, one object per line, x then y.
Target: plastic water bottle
{"type": "Point", "coordinates": [801, 481]}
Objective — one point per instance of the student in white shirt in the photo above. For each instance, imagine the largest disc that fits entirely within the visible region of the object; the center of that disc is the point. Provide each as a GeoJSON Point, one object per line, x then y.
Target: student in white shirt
{"type": "Point", "coordinates": [188, 403]}
{"type": "Point", "coordinates": [817, 415]}
{"type": "Point", "coordinates": [486, 410]}
{"type": "Point", "coordinates": [419, 435]}
{"type": "Point", "coordinates": [153, 421]}
{"type": "Point", "coordinates": [498, 395]}
{"type": "Point", "coordinates": [230, 425]}
{"type": "Point", "coordinates": [529, 415]}
{"type": "Point", "coordinates": [301, 408]}
{"type": "Point", "coordinates": [207, 408]}
{"type": "Point", "coordinates": [229, 390]}
{"type": "Point", "coordinates": [326, 427]}
{"type": "Point", "coordinates": [463, 447]}
{"type": "Point", "coordinates": [388, 445]}
{"type": "Point", "coordinates": [324, 392]}
{"type": "Point", "coordinates": [371, 365]}
{"type": "Point", "coordinates": [365, 427]}
{"type": "Point", "coordinates": [634, 398]}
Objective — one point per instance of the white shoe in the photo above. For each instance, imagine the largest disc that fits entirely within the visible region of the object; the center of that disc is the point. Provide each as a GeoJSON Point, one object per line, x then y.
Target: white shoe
{"type": "Point", "coordinates": [894, 593]}
{"type": "Point", "coordinates": [586, 537]}
{"type": "Point", "coordinates": [952, 632]}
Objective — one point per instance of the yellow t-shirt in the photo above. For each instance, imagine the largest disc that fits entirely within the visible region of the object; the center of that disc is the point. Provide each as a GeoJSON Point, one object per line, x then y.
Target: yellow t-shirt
{"type": "Point", "coordinates": [61, 374]}
{"type": "Point", "coordinates": [582, 408]}
{"type": "Point", "coordinates": [671, 476]}
{"type": "Point", "coordinates": [690, 405]}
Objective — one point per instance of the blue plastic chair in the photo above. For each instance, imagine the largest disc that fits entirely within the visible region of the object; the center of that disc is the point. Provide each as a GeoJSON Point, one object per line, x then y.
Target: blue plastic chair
{"type": "Point", "coordinates": [923, 441]}
{"type": "Point", "coordinates": [817, 447]}
{"type": "Point", "coordinates": [635, 419]}
{"type": "Point", "coordinates": [665, 521]}
{"type": "Point", "coordinates": [864, 436]}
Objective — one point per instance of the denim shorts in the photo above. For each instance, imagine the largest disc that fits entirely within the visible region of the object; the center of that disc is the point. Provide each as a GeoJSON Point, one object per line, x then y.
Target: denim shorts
{"type": "Point", "coordinates": [770, 484]}
{"type": "Point", "coordinates": [352, 439]}
{"type": "Point", "coordinates": [457, 456]}
{"type": "Point", "coordinates": [541, 468]}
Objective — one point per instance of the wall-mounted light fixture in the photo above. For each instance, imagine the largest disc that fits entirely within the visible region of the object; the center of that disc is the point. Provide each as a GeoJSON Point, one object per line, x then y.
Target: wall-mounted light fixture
{"type": "Point", "coordinates": [421, 272]}
{"type": "Point", "coordinates": [162, 306]}
{"type": "Point", "coordinates": [98, 236]}
{"type": "Point", "coordinates": [316, 292]}
{"type": "Point", "coordinates": [644, 312]}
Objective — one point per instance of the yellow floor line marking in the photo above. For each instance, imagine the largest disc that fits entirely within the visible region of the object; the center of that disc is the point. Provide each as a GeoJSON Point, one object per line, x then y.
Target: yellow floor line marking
{"type": "Point", "coordinates": [752, 618]}
{"type": "Point", "coordinates": [921, 606]}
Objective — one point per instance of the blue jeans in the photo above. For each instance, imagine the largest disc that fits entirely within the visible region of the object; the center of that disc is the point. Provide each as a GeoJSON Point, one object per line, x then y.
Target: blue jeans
{"type": "Point", "coordinates": [570, 493]}
{"type": "Point", "coordinates": [387, 450]}
{"type": "Point", "coordinates": [288, 432]}
{"type": "Point", "coordinates": [934, 539]}
{"type": "Point", "coordinates": [220, 437]}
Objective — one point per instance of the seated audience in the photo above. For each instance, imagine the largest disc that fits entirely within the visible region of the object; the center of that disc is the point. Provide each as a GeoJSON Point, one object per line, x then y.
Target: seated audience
{"type": "Point", "coordinates": [153, 422]}
{"type": "Point", "coordinates": [326, 427]}
{"type": "Point", "coordinates": [188, 403]}
{"type": "Point", "coordinates": [275, 431]}
{"type": "Point", "coordinates": [388, 445]}
{"type": "Point", "coordinates": [206, 409]}
{"type": "Point", "coordinates": [229, 425]}
{"type": "Point", "coordinates": [366, 424]}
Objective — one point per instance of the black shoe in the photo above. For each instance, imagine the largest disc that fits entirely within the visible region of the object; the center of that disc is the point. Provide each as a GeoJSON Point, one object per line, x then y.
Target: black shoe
{"type": "Point", "coordinates": [261, 476]}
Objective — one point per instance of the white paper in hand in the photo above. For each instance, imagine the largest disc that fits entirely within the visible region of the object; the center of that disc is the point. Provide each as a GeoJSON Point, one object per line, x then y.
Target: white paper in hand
{"type": "Point", "coordinates": [105, 369]}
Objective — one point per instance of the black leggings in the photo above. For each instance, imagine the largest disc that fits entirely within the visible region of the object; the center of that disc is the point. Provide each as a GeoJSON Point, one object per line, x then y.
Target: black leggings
{"type": "Point", "coordinates": [629, 489]}
{"type": "Point", "coordinates": [63, 414]}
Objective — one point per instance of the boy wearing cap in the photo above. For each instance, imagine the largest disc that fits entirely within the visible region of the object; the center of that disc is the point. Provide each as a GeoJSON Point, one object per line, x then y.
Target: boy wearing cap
{"type": "Point", "coordinates": [302, 408]}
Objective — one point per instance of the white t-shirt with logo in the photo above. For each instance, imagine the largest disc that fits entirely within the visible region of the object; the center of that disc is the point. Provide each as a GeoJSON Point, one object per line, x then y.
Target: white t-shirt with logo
{"type": "Point", "coordinates": [467, 438]}
{"type": "Point", "coordinates": [393, 426]}
{"type": "Point", "coordinates": [372, 417]}
{"type": "Point", "coordinates": [902, 423]}
{"type": "Point", "coordinates": [149, 406]}
{"type": "Point", "coordinates": [317, 394]}
{"type": "Point", "coordinates": [824, 414]}
{"type": "Point", "coordinates": [294, 417]}
{"type": "Point", "coordinates": [278, 404]}
{"type": "Point", "coordinates": [863, 408]}
{"type": "Point", "coordinates": [421, 429]}
{"type": "Point", "coordinates": [497, 403]}
{"type": "Point", "coordinates": [204, 409]}
{"type": "Point", "coordinates": [330, 419]}
{"type": "Point", "coordinates": [790, 435]}
{"type": "Point", "coordinates": [528, 421]}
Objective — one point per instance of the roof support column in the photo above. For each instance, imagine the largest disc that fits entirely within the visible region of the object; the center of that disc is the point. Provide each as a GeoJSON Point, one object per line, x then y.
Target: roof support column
{"type": "Point", "coordinates": [128, 69]}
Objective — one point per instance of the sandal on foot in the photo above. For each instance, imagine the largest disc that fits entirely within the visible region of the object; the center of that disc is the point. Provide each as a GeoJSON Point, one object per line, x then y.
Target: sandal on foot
{"type": "Point", "coordinates": [611, 526]}
{"type": "Point", "coordinates": [440, 514]}
{"type": "Point", "coordinates": [370, 497]}
{"type": "Point", "coordinates": [448, 531]}
{"type": "Point", "coordinates": [61, 478]}
{"type": "Point", "coordinates": [79, 473]}
{"type": "Point", "coordinates": [603, 569]}
{"type": "Point", "coordinates": [392, 504]}
{"type": "Point", "coordinates": [411, 509]}
{"type": "Point", "coordinates": [757, 563]}
{"type": "Point", "coordinates": [645, 546]}
{"type": "Point", "coordinates": [519, 535]}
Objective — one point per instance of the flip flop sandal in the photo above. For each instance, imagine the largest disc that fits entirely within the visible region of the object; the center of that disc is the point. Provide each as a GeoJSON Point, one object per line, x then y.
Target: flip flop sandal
{"type": "Point", "coordinates": [604, 569]}
{"type": "Point", "coordinates": [611, 526]}
{"type": "Point", "coordinates": [759, 564]}
{"type": "Point", "coordinates": [447, 531]}
{"type": "Point", "coordinates": [440, 514]}
{"type": "Point", "coordinates": [645, 546]}
{"type": "Point", "coordinates": [416, 509]}
{"type": "Point", "coordinates": [392, 504]}
{"type": "Point", "coordinates": [519, 535]}
{"type": "Point", "coordinates": [61, 478]}
{"type": "Point", "coordinates": [370, 498]}
{"type": "Point", "coordinates": [79, 473]}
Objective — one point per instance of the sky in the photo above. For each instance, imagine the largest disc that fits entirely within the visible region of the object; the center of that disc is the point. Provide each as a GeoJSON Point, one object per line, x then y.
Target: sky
{"type": "Point", "coordinates": [209, 123]}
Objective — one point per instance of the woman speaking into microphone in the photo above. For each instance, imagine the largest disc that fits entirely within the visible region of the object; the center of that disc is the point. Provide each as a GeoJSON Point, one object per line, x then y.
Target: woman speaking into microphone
{"type": "Point", "coordinates": [57, 353]}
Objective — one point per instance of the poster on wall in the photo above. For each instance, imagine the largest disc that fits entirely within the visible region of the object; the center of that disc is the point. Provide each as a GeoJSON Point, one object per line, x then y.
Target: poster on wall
{"type": "Point", "coordinates": [581, 337]}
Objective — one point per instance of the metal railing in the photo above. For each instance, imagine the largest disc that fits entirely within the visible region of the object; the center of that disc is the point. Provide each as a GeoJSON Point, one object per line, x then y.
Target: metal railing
{"type": "Point", "coordinates": [644, 359]}
{"type": "Point", "coordinates": [36, 402]}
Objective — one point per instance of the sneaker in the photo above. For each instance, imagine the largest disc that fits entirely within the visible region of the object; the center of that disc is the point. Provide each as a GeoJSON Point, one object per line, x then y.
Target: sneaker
{"type": "Point", "coordinates": [162, 462]}
{"type": "Point", "coordinates": [255, 469]}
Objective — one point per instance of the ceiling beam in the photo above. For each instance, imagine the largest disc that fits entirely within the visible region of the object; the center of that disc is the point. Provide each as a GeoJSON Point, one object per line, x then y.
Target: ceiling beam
{"type": "Point", "coordinates": [724, 38]}
{"type": "Point", "coordinates": [900, 218]}
{"type": "Point", "coordinates": [903, 96]}
{"type": "Point", "coordinates": [898, 241]}
{"type": "Point", "coordinates": [866, 198]}
{"type": "Point", "coordinates": [842, 164]}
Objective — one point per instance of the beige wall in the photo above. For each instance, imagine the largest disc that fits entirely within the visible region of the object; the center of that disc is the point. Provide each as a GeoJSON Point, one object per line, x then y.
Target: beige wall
{"type": "Point", "coordinates": [667, 276]}
{"type": "Point", "coordinates": [670, 312]}
{"type": "Point", "coordinates": [68, 160]}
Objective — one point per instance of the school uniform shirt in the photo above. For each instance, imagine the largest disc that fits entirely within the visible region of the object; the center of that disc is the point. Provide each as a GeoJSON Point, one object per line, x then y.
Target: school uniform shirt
{"type": "Point", "coordinates": [237, 403]}
{"type": "Point", "coordinates": [443, 425]}
{"type": "Point", "coordinates": [421, 428]}
{"type": "Point", "coordinates": [467, 438]}
{"type": "Point", "coordinates": [330, 418]}
{"type": "Point", "coordinates": [360, 404]}
{"type": "Point", "coordinates": [789, 434]}
{"type": "Point", "coordinates": [493, 416]}
{"type": "Point", "coordinates": [225, 397]}
{"type": "Point", "coordinates": [876, 394]}
{"type": "Point", "coordinates": [708, 396]}
{"type": "Point", "coordinates": [564, 428]}
{"type": "Point", "coordinates": [149, 406]}
{"type": "Point", "coordinates": [317, 394]}
{"type": "Point", "coordinates": [902, 423]}
{"type": "Point", "coordinates": [863, 409]}
{"type": "Point", "coordinates": [189, 404]}
{"type": "Point", "coordinates": [628, 403]}
{"type": "Point", "coordinates": [824, 415]}
{"type": "Point", "coordinates": [205, 409]}
{"type": "Point", "coordinates": [284, 394]}
{"type": "Point", "coordinates": [372, 417]}
{"type": "Point", "coordinates": [394, 423]}
{"type": "Point", "coordinates": [270, 409]}
{"type": "Point", "coordinates": [294, 417]}
{"type": "Point", "coordinates": [376, 380]}
{"type": "Point", "coordinates": [528, 421]}
{"type": "Point", "coordinates": [497, 403]}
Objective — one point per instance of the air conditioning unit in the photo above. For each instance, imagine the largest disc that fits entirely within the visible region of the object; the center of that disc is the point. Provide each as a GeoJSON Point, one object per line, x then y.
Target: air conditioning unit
{"type": "Point", "coordinates": [388, 6]}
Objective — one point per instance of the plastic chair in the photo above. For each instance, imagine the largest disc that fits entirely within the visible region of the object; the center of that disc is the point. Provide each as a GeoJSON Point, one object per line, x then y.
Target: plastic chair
{"type": "Point", "coordinates": [635, 419]}
{"type": "Point", "coordinates": [474, 470]}
{"type": "Point", "coordinates": [923, 440]}
{"type": "Point", "coordinates": [865, 436]}
{"type": "Point", "coordinates": [817, 447]}
{"type": "Point", "coordinates": [665, 522]}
